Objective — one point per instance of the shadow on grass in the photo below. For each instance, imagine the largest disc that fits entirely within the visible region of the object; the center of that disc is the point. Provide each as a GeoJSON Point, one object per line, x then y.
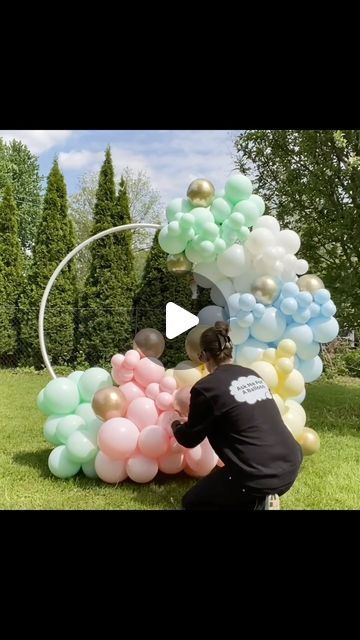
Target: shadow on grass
{"type": "Point", "coordinates": [35, 459]}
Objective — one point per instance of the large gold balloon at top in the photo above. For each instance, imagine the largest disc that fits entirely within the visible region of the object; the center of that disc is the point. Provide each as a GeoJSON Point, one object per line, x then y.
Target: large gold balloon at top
{"type": "Point", "coordinates": [201, 192]}
{"type": "Point", "coordinates": [109, 403]}
{"type": "Point", "coordinates": [178, 264]}
{"type": "Point", "coordinates": [310, 283]}
{"type": "Point", "coordinates": [265, 289]}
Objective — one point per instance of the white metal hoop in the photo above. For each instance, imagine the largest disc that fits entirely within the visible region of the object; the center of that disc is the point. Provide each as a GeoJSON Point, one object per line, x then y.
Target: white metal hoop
{"type": "Point", "coordinates": [59, 268]}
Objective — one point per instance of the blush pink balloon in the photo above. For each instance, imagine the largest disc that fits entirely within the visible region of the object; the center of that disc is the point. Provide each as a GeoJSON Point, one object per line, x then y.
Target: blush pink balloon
{"type": "Point", "coordinates": [152, 390]}
{"type": "Point", "coordinates": [172, 463]}
{"type": "Point", "coordinates": [190, 472]}
{"type": "Point", "coordinates": [168, 384]}
{"type": "Point", "coordinates": [204, 463]}
{"type": "Point", "coordinates": [108, 470]}
{"type": "Point", "coordinates": [220, 463]}
{"type": "Point", "coordinates": [131, 391]}
{"type": "Point", "coordinates": [148, 370]}
{"type": "Point", "coordinates": [141, 469]}
{"type": "Point", "coordinates": [164, 401]}
{"type": "Point", "coordinates": [175, 447]}
{"type": "Point", "coordinates": [131, 359]}
{"type": "Point", "coordinates": [142, 412]}
{"type": "Point", "coordinates": [166, 419]}
{"type": "Point", "coordinates": [121, 376]}
{"type": "Point", "coordinates": [153, 441]}
{"type": "Point", "coordinates": [118, 438]}
{"type": "Point", "coordinates": [193, 456]}
{"type": "Point", "coordinates": [117, 360]}
{"type": "Point", "coordinates": [182, 400]}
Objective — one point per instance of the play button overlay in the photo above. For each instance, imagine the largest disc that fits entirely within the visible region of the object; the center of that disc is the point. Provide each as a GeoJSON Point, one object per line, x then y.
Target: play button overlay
{"type": "Point", "coordinates": [178, 320]}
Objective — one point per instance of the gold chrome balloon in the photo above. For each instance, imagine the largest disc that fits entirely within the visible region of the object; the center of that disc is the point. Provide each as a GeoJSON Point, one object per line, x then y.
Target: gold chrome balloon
{"type": "Point", "coordinates": [310, 282]}
{"type": "Point", "coordinates": [109, 403]}
{"type": "Point", "coordinates": [309, 441]}
{"type": "Point", "coordinates": [178, 264]}
{"type": "Point", "coordinates": [265, 289]}
{"type": "Point", "coordinates": [201, 193]}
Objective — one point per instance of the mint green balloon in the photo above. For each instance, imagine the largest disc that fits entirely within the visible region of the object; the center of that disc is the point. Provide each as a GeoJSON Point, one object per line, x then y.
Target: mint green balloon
{"type": "Point", "coordinates": [86, 412]}
{"type": "Point", "coordinates": [50, 430]}
{"type": "Point", "coordinates": [171, 244]}
{"type": "Point", "coordinates": [249, 210]}
{"type": "Point", "coordinates": [243, 233]}
{"type": "Point", "coordinates": [202, 216]}
{"type": "Point", "coordinates": [81, 447]}
{"type": "Point", "coordinates": [89, 470]}
{"type": "Point", "coordinates": [67, 425]}
{"type": "Point", "coordinates": [210, 231]}
{"type": "Point", "coordinates": [177, 205]}
{"type": "Point", "coordinates": [192, 253]}
{"type": "Point", "coordinates": [206, 249]}
{"type": "Point", "coordinates": [174, 228]}
{"type": "Point", "coordinates": [60, 464]}
{"type": "Point", "coordinates": [238, 187]}
{"type": "Point", "coordinates": [42, 404]}
{"type": "Point", "coordinates": [91, 381]}
{"type": "Point", "coordinates": [258, 202]}
{"type": "Point", "coordinates": [228, 234]}
{"type": "Point", "coordinates": [75, 376]}
{"type": "Point", "coordinates": [236, 220]}
{"type": "Point", "coordinates": [220, 245]}
{"type": "Point", "coordinates": [221, 209]}
{"type": "Point", "coordinates": [61, 396]}
{"type": "Point", "coordinates": [187, 221]}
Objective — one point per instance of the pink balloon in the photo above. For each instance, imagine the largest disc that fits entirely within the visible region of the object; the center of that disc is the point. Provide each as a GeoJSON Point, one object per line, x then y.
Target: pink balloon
{"type": "Point", "coordinates": [142, 412]}
{"type": "Point", "coordinates": [190, 472]}
{"type": "Point", "coordinates": [204, 462]}
{"type": "Point", "coordinates": [168, 384]}
{"type": "Point", "coordinates": [175, 447]}
{"type": "Point", "coordinates": [220, 463]}
{"type": "Point", "coordinates": [153, 441]}
{"type": "Point", "coordinates": [152, 390]}
{"type": "Point", "coordinates": [108, 470]}
{"type": "Point", "coordinates": [182, 400]}
{"type": "Point", "coordinates": [193, 456]}
{"type": "Point", "coordinates": [118, 438]}
{"type": "Point", "coordinates": [117, 360]}
{"type": "Point", "coordinates": [172, 463]}
{"type": "Point", "coordinates": [131, 359]}
{"type": "Point", "coordinates": [166, 419]}
{"type": "Point", "coordinates": [141, 469]}
{"type": "Point", "coordinates": [131, 391]}
{"type": "Point", "coordinates": [121, 376]}
{"type": "Point", "coordinates": [148, 370]}
{"type": "Point", "coordinates": [164, 401]}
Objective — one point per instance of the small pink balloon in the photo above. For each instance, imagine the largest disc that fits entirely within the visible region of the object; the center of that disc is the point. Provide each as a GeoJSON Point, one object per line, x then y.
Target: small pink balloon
{"type": "Point", "coordinates": [118, 438]}
{"type": "Point", "coordinates": [153, 441]}
{"type": "Point", "coordinates": [164, 401]}
{"type": "Point", "coordinates": [175, 447]}
{"type": "Point", "coordinates": [172, 463]}
{"type": "Point", "coordinates": [131, 391]}
{"type": "Point", "coordinates": [168, 384]}
{"type": "Point", "coordinates": [207, 460]}
{"type": "Point", "coordinates": [166, 419]}
{"type": "Point", "coordinates": [142, 412]}
{"type": "Point", "coordinates": [193, 456]}
{"type": "Point", "coordinates": [182, 400]}
{"type": "Point", "coordinates": [152, 390]}
{"type": "Point", "coordinates": [141, 469]}
{"type": "Point", "coordinates": [131, 359]}
{"type": "Point", "coordinates": [121, 376]}
{"type": "Point", "coordinates": [190, 472]}
{"type": "Point", "coordinates": [148, 370]}
{"type": "Point", "coordinates": [117, 360]}
{"type": "Point", "coordinates": [108, 470]}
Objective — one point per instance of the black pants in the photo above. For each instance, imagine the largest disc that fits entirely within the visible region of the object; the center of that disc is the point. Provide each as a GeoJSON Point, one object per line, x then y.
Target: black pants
{"type": "Point", "coordinates": [222, 491]}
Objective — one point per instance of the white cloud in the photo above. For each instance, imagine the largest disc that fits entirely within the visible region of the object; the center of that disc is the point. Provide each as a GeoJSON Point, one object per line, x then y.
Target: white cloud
{"type": "Point", "coordinates": [38, 141]}
{"type": "Point", "coordinates": [83, 159]}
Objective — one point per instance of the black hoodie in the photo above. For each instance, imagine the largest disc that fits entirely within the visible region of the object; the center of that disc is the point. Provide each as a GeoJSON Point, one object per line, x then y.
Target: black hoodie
{"type": "Point", "coordinates": [235, 410]}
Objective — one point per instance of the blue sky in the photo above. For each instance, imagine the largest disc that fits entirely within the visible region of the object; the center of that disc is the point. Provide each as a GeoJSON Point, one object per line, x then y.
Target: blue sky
{"type": "Point", "coordinates": [172, 158]}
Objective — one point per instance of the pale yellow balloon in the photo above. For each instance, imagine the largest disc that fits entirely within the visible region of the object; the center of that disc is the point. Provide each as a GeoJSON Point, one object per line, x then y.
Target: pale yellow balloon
{"type": "Point", "coordinates": [309, 441]}
{"type": "Point", "coordinates": [269, 355]}
{"type": "Point", "coordinates": [292, 386]}
{"type": "Point", "coordinates": [169, 372]}
{"type": "Point", "coordinates": [186, 374]}
{"type": "Point", "coordinates": [310, 282]}
{"type": "Point", "coordinates": [280, 403]}
{"type": "Point", "coordinates": [267, 372]}
{"type": "Point", "coordinates": [294, 425]}
{"type": "Point", "coordinates": [286, 348]}
{"type": "Point", "coordinates": [284, 365]}
{"type": "Point", "coordinates": [178, 264]}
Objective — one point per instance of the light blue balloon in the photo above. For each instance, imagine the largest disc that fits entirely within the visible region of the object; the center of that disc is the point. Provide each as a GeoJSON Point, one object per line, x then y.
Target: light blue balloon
{"type": "Point", "coordinates": [321, 296]}
{"type": "Point", "coordinates": [247, 302]}
{"type": "Point", "coordinates": [250, 351]}
{"type": "Point", "coordinates": [301, 316]}
{"type": "Point", "coordinates": [290, 289]}
{"type": "Point", "coordinates": [328, 309]}
{"type": "Point", "coordinates": [289, 306]}
{"type": "Point", "coordinates": [211, 314]}
{"type": "Point", "coordinates": [233, 304]}
{"type": "Point", "coordinates": [308, 351]}
{"type": "Point", "coordinates": [270, 327]}
{"type": "Point", "coordinates": [311, 370]}
{"type": "Point", "coordinates": [277, 303]}
{"type": "Point", "coordinates": [245, 319]}
{"type": "Point", "coordinates": [259, 310]}
{"type": "Point", "coordinates": [301, 334]}
{"type": "Point", "coordinates": [314, 309]}
{"type": "Point", "coordinates": [324, 329]}
{"type": "Point", "coordinates": [238, 334]}
{"type": "Point", "coordinates": [304, 299]}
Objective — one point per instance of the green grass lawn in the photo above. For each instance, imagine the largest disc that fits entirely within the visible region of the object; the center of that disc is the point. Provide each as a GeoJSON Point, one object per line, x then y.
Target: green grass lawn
{"type": "Point", "coordinates": [328, 480]}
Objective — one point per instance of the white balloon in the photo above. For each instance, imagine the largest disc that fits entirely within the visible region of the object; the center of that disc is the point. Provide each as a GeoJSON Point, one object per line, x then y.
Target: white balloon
{"type": "Point", "coordinates": [211, 314]}
{"type": "Point", "coordinates": [302, 267]}
{"type": "Point", "coordinates": [258, 240]}
{"type": "Point", "coordinates": [232, 262]}
{"type": "Point", "coordinates": [289, 240]}
{"type": "Point", "coordinates": [221, 291]}
{"type": "Point", "coordinates": [206, 274]}
{"type": "Point", "coordinates": [238, 334]}
{"type": "Point", "coordinates": [268, 222]}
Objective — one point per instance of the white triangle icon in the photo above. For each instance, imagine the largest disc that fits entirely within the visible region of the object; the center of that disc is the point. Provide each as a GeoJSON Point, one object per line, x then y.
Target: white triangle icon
{"type": "Point", "coordinates": [178, 320]}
